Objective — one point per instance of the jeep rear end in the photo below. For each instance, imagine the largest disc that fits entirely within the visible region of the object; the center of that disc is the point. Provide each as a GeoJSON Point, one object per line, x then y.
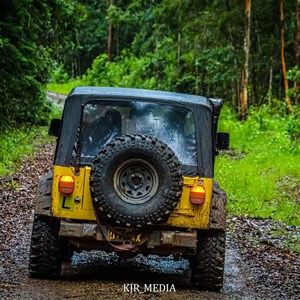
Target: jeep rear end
{"type": "Point", "coordinates": [133, 173]}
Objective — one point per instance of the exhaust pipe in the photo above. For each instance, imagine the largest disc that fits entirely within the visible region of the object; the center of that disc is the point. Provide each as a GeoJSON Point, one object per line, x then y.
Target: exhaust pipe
{"type": "Point", "coordinates": [192, 251]}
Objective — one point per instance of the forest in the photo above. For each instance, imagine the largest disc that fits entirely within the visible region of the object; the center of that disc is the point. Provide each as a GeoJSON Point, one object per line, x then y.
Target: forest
{"type": "Point", "coordinates": [246, 52]}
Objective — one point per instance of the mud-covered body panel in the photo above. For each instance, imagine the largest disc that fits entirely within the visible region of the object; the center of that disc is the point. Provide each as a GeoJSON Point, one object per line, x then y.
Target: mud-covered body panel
{"type": "Point", "coordinates": [43, 197]}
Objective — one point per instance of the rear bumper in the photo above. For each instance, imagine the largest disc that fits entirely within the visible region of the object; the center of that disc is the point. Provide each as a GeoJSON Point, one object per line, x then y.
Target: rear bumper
{"type": "Point", "coordinates": [165, 242]}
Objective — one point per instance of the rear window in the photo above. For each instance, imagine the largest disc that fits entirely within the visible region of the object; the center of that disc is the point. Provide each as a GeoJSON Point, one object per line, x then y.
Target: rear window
{"type": "Point", "coordinates": [102, 122]}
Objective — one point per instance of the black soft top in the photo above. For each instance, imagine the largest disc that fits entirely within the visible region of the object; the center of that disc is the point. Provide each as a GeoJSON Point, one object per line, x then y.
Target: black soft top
{"type": "Point", "coordinates": [91, 93]}
{"type": "Point", "coordinates": [137, 94]}
{"type": "Point", "coordinates": [205, 112]}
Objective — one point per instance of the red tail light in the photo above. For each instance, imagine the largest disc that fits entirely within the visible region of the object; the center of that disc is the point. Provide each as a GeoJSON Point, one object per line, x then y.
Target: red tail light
{"type": "Point", "coordinates": [197, 194]}
{"type": "Point", "coordinates": [66, 184]}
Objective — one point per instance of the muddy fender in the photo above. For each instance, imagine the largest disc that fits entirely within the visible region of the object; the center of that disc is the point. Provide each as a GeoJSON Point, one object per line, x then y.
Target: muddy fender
{"type": "Point", "coordinates": [218, 208]}
{"type": "Point", "coordinates": [43, 198]}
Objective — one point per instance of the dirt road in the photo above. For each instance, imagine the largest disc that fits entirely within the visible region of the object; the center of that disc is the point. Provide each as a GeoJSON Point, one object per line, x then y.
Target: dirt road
{"type": "Point", "coordinates": [256, 265]}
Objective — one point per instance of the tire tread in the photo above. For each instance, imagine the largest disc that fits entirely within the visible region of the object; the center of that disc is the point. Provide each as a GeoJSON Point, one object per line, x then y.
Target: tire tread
{"type": "Point", "coordinates": [208, 263]}
{"type": "Point", "coordinates": [45, 251]}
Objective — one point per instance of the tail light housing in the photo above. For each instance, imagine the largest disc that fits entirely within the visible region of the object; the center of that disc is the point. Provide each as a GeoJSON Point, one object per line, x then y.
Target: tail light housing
{"type": "Point", "coordinates": [66, 184]}
{"type": "Point", "coordinates": [197, 194]}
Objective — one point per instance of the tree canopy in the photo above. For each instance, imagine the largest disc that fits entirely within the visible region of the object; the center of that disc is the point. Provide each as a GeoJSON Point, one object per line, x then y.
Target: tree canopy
{"type": "Point", "coordinates": [199, 47]}
{"type": "Point", "coordinates": [188, 46]}
{"type": "Point", "coordinates": [33, 35]}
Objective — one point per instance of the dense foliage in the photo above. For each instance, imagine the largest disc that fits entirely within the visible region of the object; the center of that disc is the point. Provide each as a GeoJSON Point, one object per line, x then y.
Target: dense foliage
{"type": "Point", "coordinates": [186, 46]}
{"type": "Point", "coordinates": [198, 47]}
{"type": "Point", "coordinates": [261, 172]}
{"type": "Point", "coordinates": [32, 34]}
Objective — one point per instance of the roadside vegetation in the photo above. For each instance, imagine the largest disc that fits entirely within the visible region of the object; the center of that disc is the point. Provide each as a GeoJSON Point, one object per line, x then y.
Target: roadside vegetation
{"type": "Point", "coordinates": [260, 172]}
{"type": "Point", "coordinates": [65, 87]}
{"type": "Point", "coordinates": [16, 143]}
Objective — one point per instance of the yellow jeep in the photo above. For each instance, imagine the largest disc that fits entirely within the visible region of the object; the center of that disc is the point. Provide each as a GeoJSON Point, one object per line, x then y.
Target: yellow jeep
{"type": "Point", "coordinates": [133, 174]}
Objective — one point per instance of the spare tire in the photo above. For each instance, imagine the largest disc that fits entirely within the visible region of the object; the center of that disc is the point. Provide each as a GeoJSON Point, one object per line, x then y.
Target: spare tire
{"type": "Point", "coordinates": [135, 181]}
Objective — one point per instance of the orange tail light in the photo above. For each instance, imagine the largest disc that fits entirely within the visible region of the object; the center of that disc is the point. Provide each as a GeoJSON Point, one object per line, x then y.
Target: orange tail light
{"type": "Point", "coordinates": [197, 194]}
{"type": "Point", "coordinates": [66, 184]}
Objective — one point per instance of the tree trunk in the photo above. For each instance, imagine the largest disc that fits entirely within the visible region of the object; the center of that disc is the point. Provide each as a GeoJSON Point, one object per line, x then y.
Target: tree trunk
{"type": "Point", "coordinates": [285, 80]}
{"type": "Point", "coordinates": [178, 48]}
{"type": "Point", "coordinates": [244, 99]}
{"type": "Point", "coordinates": [235, 99]}
{"type": "Point", "coordinates": [253, 89]}
{"type": "Point", "coordinates": [179, 38]}
{"type": "Point", "coordinates": [298, 35]}
{"type": "Point", "coordinates": [296, 84]}
{"type": "Point", "coordinates": [245, 74]}
{"type": "Point", "coordinates": [270, 96]}
{"type": "Point", "coordinates": [109, 35]}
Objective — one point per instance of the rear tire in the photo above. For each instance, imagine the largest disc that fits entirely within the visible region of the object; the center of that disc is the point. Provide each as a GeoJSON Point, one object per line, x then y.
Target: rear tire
{"type": "Point", "coordinates": [208, 263]}
{"type": "Point", "coordinates": [45, 251]}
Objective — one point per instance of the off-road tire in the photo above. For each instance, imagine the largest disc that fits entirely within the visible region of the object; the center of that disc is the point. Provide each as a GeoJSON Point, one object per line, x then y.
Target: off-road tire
{"type": "Point", "coordinates": [45, 252]}
{"type": "Point", "coordinates": [208, 263]}
{"type": "Point", "coordinates": [163, 168]}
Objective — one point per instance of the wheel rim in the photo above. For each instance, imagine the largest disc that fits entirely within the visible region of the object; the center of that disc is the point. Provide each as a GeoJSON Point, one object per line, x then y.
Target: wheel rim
{"type": "Point", "coordinates": [136, 181]}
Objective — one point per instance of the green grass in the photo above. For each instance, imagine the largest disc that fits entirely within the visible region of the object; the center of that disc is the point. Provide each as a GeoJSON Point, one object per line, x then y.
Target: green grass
{"type": "Point", "coordinates": [260, 173]}
{"type": "Point", "coordinates": [65, 88]}
{"type": "Point", "coordinates": [17, 143]}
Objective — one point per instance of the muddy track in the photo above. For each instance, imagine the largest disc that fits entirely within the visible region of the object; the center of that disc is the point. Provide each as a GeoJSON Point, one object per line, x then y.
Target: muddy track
{"type": "Point", "coordinates": [56, 98]}
{"type": "Point", "coordinates": [256, 265]}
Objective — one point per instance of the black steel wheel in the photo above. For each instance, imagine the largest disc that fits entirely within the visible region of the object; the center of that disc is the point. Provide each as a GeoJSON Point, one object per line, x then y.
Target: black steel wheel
{"type": "Point", "coordinates": [135, 180]}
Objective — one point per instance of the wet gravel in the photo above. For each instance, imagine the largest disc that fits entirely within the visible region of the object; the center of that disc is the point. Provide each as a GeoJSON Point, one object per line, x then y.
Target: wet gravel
{"type": "Point", "coordinates": [257, 266]}
{"type": "Point", "coordinates": [273, 268]}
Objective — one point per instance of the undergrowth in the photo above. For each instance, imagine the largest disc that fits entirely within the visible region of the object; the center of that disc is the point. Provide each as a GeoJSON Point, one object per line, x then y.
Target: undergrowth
{"type": "Point", "coordinates": [65, 88]}
{"type": "Point", "coordinates": [19, 142]}
{"type": "Point", "coordinates": [260, 172]}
